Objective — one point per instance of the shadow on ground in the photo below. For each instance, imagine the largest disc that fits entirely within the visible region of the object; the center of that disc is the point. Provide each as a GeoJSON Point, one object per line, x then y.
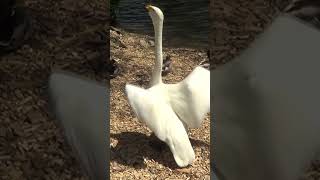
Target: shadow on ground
{"type": "Point", "coordinates": [133, 147]}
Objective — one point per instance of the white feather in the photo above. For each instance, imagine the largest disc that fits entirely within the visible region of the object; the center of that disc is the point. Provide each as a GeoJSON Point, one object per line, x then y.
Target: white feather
{"type": "Point", "coordinates": [160, 118]}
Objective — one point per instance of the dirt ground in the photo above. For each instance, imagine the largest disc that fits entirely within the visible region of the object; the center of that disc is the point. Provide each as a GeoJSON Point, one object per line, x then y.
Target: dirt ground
{"type": "Point", "coordinates": [133, 155]}
{"type": "Point", "coordinates": [70, 35]}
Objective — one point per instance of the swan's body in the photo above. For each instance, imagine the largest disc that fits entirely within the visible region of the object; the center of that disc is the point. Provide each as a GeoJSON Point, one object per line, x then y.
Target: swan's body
{"type": "Point", "coordinates": [167, 109]}
{"type": "Point", "coordinates": [161, 119]}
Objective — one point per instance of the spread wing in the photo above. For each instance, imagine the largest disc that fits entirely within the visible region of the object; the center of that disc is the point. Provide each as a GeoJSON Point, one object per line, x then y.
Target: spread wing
{"type": "Point", "coordinates": [161, 119]}
{"type": "Point", "coordinates": [190, 99]}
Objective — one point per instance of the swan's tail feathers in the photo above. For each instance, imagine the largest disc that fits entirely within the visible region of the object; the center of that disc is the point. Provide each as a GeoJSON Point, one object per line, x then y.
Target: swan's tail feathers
{"type": "Point", "coordinates": [172, 131]}
{"type": "Point", "coordinates": [190, 99]}
{"type": "Point", "coordinates": [180, 145]}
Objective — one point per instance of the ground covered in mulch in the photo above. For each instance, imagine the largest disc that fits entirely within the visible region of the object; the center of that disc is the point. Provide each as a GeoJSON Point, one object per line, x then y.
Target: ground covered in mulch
{"type": "Point", "coordinates": [236, 23]}
{"type": "Point", "coordinates": [134, 151]}
{"type": "Point", "coordinates": [70, 35]}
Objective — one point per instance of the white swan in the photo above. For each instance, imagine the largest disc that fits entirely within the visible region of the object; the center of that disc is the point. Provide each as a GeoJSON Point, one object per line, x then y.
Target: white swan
{"type": "Point", "coordinates": [190, 98]}
{"type": "Point", "coordinates": [168, 108]}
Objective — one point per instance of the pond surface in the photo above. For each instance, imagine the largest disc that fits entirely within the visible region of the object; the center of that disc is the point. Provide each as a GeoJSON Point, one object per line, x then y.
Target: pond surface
{"type": "Point", "coordinates": [186, 22]}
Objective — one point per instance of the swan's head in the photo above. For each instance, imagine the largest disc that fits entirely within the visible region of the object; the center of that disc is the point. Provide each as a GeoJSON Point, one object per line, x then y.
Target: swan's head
{"type": "Point", "coordinates": [155, 13]}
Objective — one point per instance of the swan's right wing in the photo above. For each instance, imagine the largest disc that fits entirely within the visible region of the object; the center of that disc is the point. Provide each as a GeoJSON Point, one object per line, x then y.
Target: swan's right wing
{"type": "Point", "coordinates": [160, 118]}
{"type": "Point", "coordinates": [190, 98]}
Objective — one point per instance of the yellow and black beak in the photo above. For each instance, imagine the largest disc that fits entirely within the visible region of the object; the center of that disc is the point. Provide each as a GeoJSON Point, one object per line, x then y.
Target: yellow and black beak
{"type": "Point", "coordinates": [148, 7]}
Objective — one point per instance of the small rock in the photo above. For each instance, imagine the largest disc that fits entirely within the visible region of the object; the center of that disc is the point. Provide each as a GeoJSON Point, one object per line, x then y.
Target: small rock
{"type": "Point", "coordinates": [118, 31]}
{"type": "Point", "coordinates": [143, 43]}
{"type": "Point", "coordinates": [153, 171]}
{"type": "Point", "coordinates": [2, 132]}
{"type": "Point", "coordinates": [4, 95]}
{"type": "Point", "coordinates": [114, 34]}
{"type": "Point", "coordinates": [151, 43]}
{"type": "Point", "coordinates": [18, 93]}
{"type": "Point", "coordinates": [130, 40]}
{"type": "Point", "coordinates": [121, 44]}
{"type": "Point", "coordinates": [185, 170]}
{"type": "Point", "coordinates": [35, 116]}
{"type": "Point", "coordinates": [118, 168]}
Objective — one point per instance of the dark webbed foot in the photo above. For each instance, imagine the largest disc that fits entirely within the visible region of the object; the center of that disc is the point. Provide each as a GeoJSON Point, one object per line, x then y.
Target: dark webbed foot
{"type": "Point", "coordinates": [167, 66]}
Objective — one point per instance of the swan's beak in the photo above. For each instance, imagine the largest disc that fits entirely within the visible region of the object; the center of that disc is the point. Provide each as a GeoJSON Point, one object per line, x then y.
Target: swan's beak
{"type": "Point", "coordinates": [148, 7]}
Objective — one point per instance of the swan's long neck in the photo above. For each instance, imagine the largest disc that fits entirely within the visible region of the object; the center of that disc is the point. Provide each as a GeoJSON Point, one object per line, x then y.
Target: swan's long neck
{"type": "Point", "coordinates": [157, 69]}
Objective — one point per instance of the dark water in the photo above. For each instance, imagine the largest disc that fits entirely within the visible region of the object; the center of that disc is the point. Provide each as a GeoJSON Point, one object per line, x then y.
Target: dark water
{"type": "Point", "coordinates": [186, 22]}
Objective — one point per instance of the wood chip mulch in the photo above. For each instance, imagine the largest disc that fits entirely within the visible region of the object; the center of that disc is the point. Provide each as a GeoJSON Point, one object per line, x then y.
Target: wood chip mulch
{"type": "Point", "coordinates": [66, 34]}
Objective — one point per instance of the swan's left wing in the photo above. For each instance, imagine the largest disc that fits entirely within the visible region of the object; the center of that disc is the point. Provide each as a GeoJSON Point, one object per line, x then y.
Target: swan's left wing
{"type": "Point", "coordinates": [190, 99]}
